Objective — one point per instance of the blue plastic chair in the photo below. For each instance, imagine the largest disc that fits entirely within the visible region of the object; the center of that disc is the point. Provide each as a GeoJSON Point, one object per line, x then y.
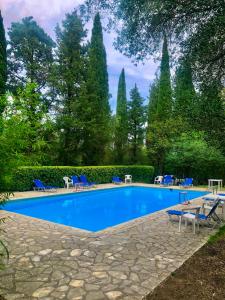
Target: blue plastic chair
{"type": "Point", "coordinates": [167, 180]}
{"type": "Point", "coordinates": [85, 182]}
{"type": "Point", "coordinates": [76, 182]}
{"type": "Point", "coordinates": [116, 180]}
{"type": "Point", "coordinates": [41, 187]}
{"type": "Point", "coordinates": [187, 182]}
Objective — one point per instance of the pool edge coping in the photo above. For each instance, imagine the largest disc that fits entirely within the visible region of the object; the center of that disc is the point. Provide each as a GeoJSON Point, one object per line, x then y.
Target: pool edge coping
{"type": "Point", "coordinates": [109, 230]}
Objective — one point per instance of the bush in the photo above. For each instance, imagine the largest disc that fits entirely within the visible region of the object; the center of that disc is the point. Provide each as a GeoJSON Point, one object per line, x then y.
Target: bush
{"type": "Point", "coordinates": [192, 156]}
{"type": "Point", "coordinates": [22, 179]}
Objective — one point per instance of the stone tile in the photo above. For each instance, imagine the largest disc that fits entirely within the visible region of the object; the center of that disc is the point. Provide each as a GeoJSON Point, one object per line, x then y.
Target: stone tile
{"type": "Point", "coordinates": [42, 292]}
{"type": "Point", "coordinates": [45, 252]}
{"type": "Point", "coordinates": [77, 283]}
{"type": "Point", "coordinates": [100, 275]}
{"type": "Point", "coordinates": [75, 292]}
{"type": "Point", "coordinates": [95, 295]}
{"type": "Point", "coordinates": [76, 252]}
{"type": "Point", "coordinates": [113, 295]}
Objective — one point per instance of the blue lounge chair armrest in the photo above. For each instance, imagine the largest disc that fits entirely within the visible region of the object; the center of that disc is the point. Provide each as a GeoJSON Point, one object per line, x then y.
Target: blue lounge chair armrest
{"type": "Point", "coordinates": [176, 212]}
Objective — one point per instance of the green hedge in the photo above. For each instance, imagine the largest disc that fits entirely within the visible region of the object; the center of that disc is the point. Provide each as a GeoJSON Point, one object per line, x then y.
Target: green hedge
{"type": "Point", "coordinates": [22, 179]}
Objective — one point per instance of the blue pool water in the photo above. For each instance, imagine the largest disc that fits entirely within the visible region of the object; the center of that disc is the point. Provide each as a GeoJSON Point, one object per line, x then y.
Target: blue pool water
{"type": "Point", "coordinates": [97, 210]}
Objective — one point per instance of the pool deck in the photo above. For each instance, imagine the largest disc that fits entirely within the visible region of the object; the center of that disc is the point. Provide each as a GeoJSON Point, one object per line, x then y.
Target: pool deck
{"type": "Point", "coordinates": [50, 261]}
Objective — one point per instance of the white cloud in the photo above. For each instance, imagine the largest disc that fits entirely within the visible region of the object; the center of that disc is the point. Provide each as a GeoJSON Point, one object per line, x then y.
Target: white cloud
{"type": "Point", "coordinates": [43, 9]}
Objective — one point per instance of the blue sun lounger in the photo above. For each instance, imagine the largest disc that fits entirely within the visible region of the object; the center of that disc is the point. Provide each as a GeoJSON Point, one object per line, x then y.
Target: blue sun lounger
{"type": "Point", "coordinates": [85, 182]}
{"type": "Point", "coordinates": [76, 182]}
{"type": "Point", "coordinates": [188, 182]}
{"type": "Point", "coordinates": [116, 180]}
{"type": "Point", "coordinates": [167, 180]}
{"type": "Point", "coordinates": [39, 186]}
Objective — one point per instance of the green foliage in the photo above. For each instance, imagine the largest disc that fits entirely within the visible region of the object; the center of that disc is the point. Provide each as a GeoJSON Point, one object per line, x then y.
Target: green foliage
{"type": "Point", "coordinates": [3, 61]}
{"type": "Point", "coordinates": [205, 47]}
{"type": "Point", "coordinates": [70, 73]}
{"type": "Point", "coordinates": [185, 96]}
{"type": "Point", "coordinates": [211, 114]}
{"type": "Point", "coordinates": [97, 96]}
{"type": "Point", "coordinates": [191, 156]}
{"type": "Point", "coordinates": [27, 133]}
{"type": "Point", "coordinates": [30, 54]}
{"type": "Point", "coordinates": [31, 114]}
{"type": "Point", "coordinates": [195, 27]}
{"type": "Point", "coordinates": [160, 98]}
{"type": "Point", "coordinates": [160, 139]}
{"type": "Point", "coordinates": [220, 234]}
{"type": "Point", "coordinates": [22, 177]}
{"type": "Point", "coordinates": [164, 103]}
{"type": "Point", "coordinates": [98, 64]}
{"type": "Point", "coordinates": [161, 126]}
{"type": "Point", "coordinates": [121, 128]}
{"type": "Point", "coordinates": [153, 100]}
{"type": "Point", "coordinates": [136, 123]}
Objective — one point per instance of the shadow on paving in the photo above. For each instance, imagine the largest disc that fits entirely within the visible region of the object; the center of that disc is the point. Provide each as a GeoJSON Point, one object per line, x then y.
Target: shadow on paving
{"type": "Point", "coordinates": [201, 277]}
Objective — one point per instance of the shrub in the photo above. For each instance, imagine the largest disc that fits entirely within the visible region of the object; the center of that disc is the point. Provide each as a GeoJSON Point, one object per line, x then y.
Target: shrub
{"type": "Point", "coordinates": [192, 156]}
{"type": "Point", "coordinates": [22, 178]}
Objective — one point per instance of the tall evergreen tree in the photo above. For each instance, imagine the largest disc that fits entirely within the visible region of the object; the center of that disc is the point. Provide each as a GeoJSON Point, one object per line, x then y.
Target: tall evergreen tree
{"type": "Point", "coordinates": [70, 78]}
{"type": "Point", "coordinates": [136, 122]}
{"type": "Point", "coordinates": [30, 54]}
{"type": "Point", "coordinates": [184, 92]}
{"type": "Point", "coordinates": [121, 127]}
{"type": "Point", "coordinates": [3, 58]}
{"type": "Point", "coordinates": [211, 114]}
{"type": "Point", "coordinates": [164, 103]}
{"type": "Point", "coordinates": [161, 126]}
{"type": "Point", "coordinates": [153, 101]}
{"type": "Point", "coordinates": [98, 111]}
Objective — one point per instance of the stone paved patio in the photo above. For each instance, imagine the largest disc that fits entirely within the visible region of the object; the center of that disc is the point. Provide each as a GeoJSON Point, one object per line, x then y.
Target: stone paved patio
{"type": "Point", "coordinates": [50, 261]}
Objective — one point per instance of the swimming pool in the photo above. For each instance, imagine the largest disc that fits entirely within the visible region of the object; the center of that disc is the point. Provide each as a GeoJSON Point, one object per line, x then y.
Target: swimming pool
{"type": "Point", "coordinates": [97, 210]}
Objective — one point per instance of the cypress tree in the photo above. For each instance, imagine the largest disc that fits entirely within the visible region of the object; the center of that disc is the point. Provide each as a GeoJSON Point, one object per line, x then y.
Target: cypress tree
{"type": "Point", "coordinates": [153, 100]}
{"type": "Point", "coordinates": [164, 103]}
{"type": "Point", "coordinates": [160, 124]}
{"type": "Point", "coordinates": [184, 92]}
{"type": "Point", "coordinates": [152, 109]}
{"type": "Point", "coordinates": [70, 78]}
{"type": "Point", "coordinates": [121, 129]}
{"type": "Point", "coordinates": [3, 58]}
{"type": "Point", "coordinates": [136, 122]}
{"type": "Point", "coordinates": [211, 114]}
{"type": "Point", "coordinates": [98, 111]}
{"type": "Point", "coordinates": [98, 65]}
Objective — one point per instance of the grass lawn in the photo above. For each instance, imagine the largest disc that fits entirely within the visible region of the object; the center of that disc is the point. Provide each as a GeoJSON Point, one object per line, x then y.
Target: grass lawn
{"type": "Point", "coordinates": [201, 277]}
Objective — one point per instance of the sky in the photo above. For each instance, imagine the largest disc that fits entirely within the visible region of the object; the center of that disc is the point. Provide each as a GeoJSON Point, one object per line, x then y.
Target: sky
{"type": "Point", "coordinates": [48, 13]}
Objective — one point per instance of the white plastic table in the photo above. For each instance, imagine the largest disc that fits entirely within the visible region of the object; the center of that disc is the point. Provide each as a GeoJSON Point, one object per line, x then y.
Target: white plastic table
{"type": "Point", "coordinates": [218, 181]}
{"type": "Point", "coordinates": [192, 218]}
{"type": "Point", "coordinates": [189, 216]}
